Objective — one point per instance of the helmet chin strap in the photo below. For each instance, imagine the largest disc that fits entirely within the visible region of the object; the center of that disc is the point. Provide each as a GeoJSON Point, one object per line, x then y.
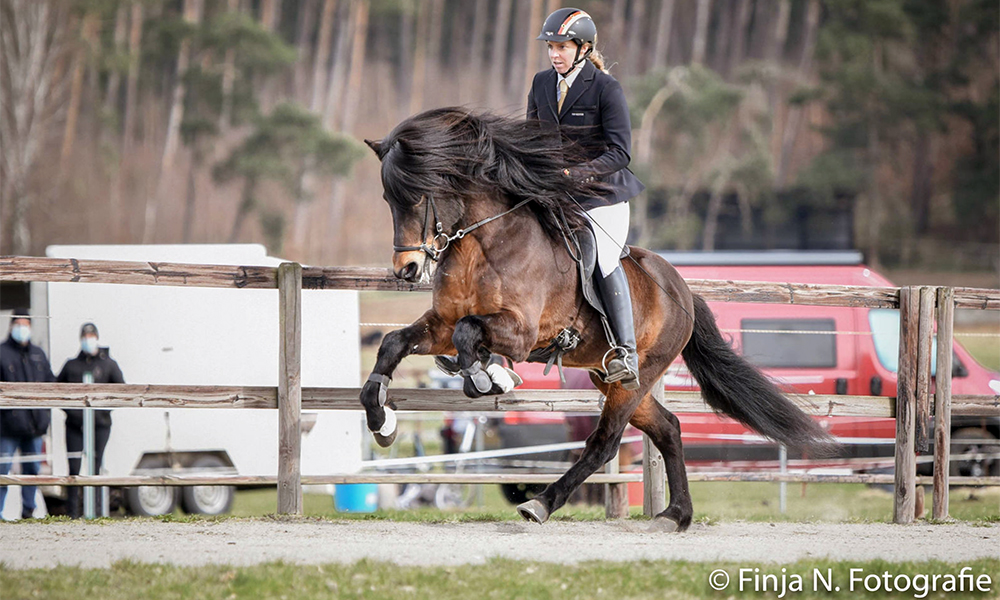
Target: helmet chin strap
{"type": "Point", "coordinates": [578, 59]}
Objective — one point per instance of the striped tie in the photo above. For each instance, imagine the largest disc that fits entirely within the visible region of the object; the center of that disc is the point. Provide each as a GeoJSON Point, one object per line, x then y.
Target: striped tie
{"type": "Point", "coordinates": [563, 90]}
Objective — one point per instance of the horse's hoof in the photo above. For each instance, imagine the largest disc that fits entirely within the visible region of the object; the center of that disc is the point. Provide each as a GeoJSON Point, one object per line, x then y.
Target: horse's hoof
{"type": "Point", "coordinates": [533, 510]}
{"type": "Point", "coordinates": [385, 440]}
{"type": "Point", "coordinates": [664, 525]}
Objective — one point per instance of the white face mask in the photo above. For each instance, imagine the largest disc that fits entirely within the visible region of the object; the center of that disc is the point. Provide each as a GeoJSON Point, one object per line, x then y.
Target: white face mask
{"type": "Point", "coordinates": [89, 345]}
{"type": "Point", "coordinates": [21, 333]}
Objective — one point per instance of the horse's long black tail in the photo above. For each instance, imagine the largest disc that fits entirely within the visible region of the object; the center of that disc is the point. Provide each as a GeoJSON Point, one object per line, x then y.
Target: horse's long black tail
{"type": "Point", "coordinates": [733, 386]}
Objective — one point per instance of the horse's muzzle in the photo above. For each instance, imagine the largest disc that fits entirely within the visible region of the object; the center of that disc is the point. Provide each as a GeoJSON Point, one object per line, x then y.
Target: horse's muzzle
{"type": "Point", "coordinates": [409, 266]}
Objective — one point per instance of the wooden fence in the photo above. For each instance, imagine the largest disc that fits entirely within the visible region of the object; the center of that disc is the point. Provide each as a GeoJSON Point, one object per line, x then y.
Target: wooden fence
{"type": "Point", "coordinates": [912, 408]}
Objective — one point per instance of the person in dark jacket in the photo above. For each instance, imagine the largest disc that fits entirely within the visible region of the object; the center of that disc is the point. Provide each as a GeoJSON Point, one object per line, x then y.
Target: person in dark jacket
{"type": "Point", "coordinates": [588, 105]}
{"type": "Point", "coordinates": [92, 365]}
{"type": "Point", "coordinates": [22, 429]}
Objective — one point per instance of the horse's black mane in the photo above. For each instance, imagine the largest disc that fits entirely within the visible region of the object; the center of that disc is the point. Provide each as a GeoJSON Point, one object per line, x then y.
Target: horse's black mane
{"type": "Point", "coordinates": [453, 152]}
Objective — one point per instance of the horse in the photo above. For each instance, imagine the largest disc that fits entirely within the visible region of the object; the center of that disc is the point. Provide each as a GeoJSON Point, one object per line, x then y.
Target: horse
{"type": "Point", "coordinates": [481, 208]}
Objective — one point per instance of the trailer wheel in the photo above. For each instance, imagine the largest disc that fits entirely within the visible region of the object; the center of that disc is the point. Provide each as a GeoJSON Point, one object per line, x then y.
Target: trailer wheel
{"type": "Point", "coordinates": [968, 441]}
{"type": "Point", "coordinates": [207, 499]}
{"type": "Point", "coordinates": [151, 500]}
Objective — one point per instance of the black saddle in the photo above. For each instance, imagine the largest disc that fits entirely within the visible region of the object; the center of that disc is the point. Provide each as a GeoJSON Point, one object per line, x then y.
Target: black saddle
{"type": "Point", "coordinates": [586, 261]}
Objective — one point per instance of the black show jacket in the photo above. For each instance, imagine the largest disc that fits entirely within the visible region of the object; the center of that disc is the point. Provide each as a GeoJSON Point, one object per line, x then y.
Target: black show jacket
{"type": "Point", "coordinates": [594, 114]}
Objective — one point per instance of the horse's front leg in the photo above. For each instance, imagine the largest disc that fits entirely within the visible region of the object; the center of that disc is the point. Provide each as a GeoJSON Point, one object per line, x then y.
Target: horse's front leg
{"type": "Point", "coordinates": [425, 336]}
{"type": "Point", "coordinates": [505, 332]}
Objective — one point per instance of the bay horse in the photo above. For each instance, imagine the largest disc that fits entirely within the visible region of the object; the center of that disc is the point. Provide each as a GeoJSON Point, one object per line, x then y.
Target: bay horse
{"type": "Point", "coordinates": [479, 204]}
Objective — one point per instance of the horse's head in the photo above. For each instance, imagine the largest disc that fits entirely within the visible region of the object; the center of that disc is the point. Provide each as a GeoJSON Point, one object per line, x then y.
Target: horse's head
{"type": "Point", "coordinates": [425, 203]}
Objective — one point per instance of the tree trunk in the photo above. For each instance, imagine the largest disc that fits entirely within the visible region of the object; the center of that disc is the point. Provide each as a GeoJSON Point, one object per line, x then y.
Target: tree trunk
{"type": "Point", "coordinates": [534, 46]}
{"type": "Point", "coordinates": [700, 41]}
{"type": "Point", "coordinates": [243, 210]}
{"type": "Point", "coordinates": [192, 14]}
{"type": "Point", "coordinates": [923, 177]}
{"type": "Point", "coordinates": [357, 67]}
{"type": "Point", "coordinates": [498, 54]}
{"type": "Point", "coordinates": [473, 64]}
{"type": "Point", "coordinates": [32, 39]}
{"type": "Point", "coordinates": [638, 44]}
{"type": "Point", "coordinates": [614, 42]}
{"type": "Point", "coordinates": [191, 201]}
{"type": "Point", "coordinates": [91, 25]}
{"type": "Point", "coordinates": [791, 130]}
{"type": "Point", "coordinates": [228, 80]}
{"type": "Point", "coordinates": [713, 211]}
{"type": "Point", "coordinates": [874, 192]}
{"type": "Point", "coordinates": [269, 14]}
{"type": "Point", "coordinates": [719, 48]}
{"type": "Point", "coordinates": [303, 35]}
{"type": "Point", "coordinates": [338, 68]}
{"type": "Point", "coordinates": [661, 48]}
{"type": "Point", "coordinates": [114, 77]}
{"type": "Point", "coordinates": [738, 47]}
{"type": "Point", "coordinates": [132, 80]}
{"type": "Point", "coordinates": [419, 79]}
{"type": "Point", "coordinates": [270, 17]}
{"type": "Point", "coordinates": [433, 68]}
{"type": "Point", "coordinates": [323, 47]}
{"type": "Point", "coordinates": [405, 67]}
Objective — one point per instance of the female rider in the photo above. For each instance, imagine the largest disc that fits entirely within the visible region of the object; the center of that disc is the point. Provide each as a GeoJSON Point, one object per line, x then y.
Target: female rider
{"type": "Point", "coordinates": [588, 104]}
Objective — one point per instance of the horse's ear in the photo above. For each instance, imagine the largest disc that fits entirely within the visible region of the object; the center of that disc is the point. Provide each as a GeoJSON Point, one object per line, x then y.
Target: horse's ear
{"type": "Point", "coordinates": [376, 146]}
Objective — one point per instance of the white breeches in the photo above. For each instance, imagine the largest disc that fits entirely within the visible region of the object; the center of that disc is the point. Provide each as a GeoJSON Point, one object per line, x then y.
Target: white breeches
{"type": "Point", "coordinates": [610, 227]}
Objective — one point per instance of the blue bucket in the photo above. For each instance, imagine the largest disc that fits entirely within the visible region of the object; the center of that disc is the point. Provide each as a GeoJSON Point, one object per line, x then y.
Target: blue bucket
{"type": "Point", "coordinates": [356, 497]}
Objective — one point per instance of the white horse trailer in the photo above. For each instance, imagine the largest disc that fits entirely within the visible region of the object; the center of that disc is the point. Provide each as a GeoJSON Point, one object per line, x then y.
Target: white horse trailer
{"type": "Point", "coordinates": [201, 336]}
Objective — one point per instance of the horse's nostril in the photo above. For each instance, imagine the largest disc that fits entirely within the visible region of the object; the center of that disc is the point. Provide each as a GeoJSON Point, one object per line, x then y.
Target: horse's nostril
{"type": "Point", "coordinates": [410, 271]}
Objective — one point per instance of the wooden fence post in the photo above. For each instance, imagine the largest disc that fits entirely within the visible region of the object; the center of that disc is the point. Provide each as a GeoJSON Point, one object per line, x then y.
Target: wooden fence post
{"type": "Point", "coordinates": [654, 473]}
{"type": "Point", "coordinates": [925, 338]}
{"type": "Point", "coordinates": [615, 494]}
{"type": "Point", "coordinates": [906, 471]}
{"type": "Point", "coordinates": [942, 401]}
{"type": "Point", "coordinates": [289, 389]}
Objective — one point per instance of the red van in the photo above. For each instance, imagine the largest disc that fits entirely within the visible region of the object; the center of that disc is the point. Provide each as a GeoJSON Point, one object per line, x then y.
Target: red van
{"type": "Point", "coordinates": [805, 349]}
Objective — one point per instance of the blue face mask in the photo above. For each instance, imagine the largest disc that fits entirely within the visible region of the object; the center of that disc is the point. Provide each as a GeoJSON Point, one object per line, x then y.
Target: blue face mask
{"type": "Point", "coordinates": [89, 345]}
{"type": "Point", "coordinates": [21, 333]}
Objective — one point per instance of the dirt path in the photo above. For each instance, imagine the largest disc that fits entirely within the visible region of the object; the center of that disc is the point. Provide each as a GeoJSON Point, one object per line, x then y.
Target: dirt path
{"type": "Point", "coordinates": [245, 541]}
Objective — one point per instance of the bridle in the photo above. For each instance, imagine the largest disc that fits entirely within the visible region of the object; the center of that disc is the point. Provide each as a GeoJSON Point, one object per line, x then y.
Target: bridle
{"type": "Point", "coordinates": [432, 250]}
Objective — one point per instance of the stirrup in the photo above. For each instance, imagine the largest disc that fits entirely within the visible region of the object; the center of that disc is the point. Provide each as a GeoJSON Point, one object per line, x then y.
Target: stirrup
{"type": "Point", "coordinates": [624, 373]}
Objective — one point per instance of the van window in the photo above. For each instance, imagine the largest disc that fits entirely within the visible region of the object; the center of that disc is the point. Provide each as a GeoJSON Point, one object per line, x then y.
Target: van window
{"type": "Point", "coordinates": [789, 350]}
{"type": "Point", "coordinates": [885, 333]}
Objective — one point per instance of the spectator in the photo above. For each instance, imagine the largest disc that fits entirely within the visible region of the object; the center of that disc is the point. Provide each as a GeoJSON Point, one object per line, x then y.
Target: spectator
{"type": "Point", "coordinates": [92, 365]}
{"type": "Point", "coordinates": [22, 429]}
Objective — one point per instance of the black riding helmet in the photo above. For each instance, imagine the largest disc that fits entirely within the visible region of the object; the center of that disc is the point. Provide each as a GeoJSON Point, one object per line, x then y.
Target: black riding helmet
{"type": "Point", "coordinates": [568, 24]}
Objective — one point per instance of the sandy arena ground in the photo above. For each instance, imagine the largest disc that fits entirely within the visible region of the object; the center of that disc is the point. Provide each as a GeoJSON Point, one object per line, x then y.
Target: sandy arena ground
{"type": "Point", "coordinates": [246, 541]}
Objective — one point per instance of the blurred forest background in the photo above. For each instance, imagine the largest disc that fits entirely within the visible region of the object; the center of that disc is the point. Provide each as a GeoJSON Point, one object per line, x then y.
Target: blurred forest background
{"type": "Point", "coordinates": [872, 124]}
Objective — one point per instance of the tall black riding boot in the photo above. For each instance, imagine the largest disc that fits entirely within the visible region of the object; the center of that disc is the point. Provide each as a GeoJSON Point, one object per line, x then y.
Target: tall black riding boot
{"type": "Point", "coordinates": [617, 300]}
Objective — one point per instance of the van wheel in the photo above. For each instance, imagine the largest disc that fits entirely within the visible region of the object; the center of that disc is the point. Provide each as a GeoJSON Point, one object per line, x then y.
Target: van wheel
{"type": "Point", "coordinates": [207, 499]}
{"type": "Point", "coordinates": [519, 493]}
{"type": "Point", "coordinates": [151, 500]}
{"type": "Point", "coordinates": [968, 441]}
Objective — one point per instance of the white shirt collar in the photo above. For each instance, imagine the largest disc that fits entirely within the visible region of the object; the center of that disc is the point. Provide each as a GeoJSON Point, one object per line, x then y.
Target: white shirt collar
{"type": "Point", "coordinates": [571, 77]}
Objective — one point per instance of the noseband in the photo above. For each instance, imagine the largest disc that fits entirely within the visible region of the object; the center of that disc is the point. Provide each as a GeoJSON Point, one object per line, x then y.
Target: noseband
{"type": "Point", "coordinates": [432, 250]}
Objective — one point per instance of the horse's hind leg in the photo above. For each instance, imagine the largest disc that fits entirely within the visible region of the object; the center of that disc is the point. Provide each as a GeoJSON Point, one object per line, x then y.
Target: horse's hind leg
{"type": "Point", "coordinates": [602, 445]}
{"type": "Point", "coordinates": [664, 429]}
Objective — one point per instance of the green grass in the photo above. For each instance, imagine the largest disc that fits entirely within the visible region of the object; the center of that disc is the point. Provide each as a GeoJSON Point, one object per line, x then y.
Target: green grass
{"type": "Point", "coordinates": [713, 502]}
{"type": "Point", "coordinates": [496, 578]}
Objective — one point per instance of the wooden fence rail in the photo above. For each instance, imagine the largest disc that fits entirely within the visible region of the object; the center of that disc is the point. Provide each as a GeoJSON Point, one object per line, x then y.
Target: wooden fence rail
{"type": "Point", "coordinates": [912, 407]}
{"type": "Point", "coordinates": [106, 395]}
{"type": "Point", "coordinates": [23, 268]}
{"type": "Point", "coordinates": [459, 478]}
